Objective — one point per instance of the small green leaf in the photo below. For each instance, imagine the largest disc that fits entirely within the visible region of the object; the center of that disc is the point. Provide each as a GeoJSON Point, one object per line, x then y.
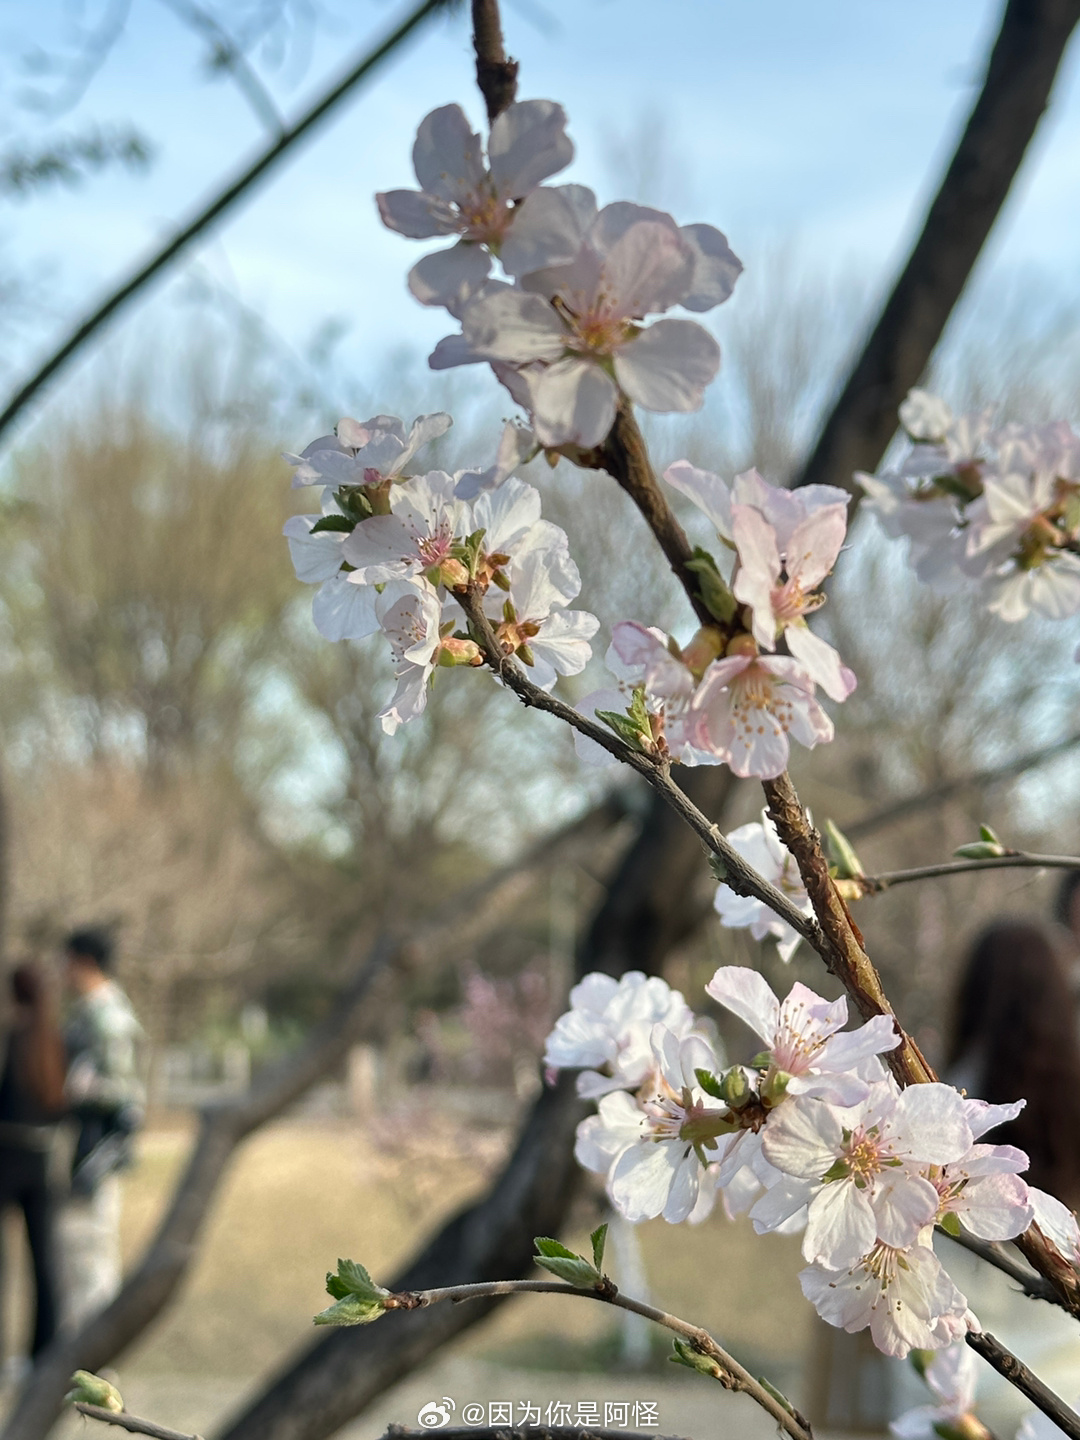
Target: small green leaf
{"type": "Point", "coordinates": [712, 586]}
{"type": "Point", "coordinates": [359, 1299]}
{"type": "Point", "coordinates": [333, 522]}
{"type": "Point", "coordinates": [842, 853]}
{"type": "Point", "coordinates": [351, 1310]}
{"type": "Point", "coordinates": [576, 1272]}
{"type": "Point", "coordinates": [710, 1084]}
{"type": "Point", "coordinates": [950, 1223]}
{"type": "Point", "coordinates": [980, 850]}
{"type": "Point", "coordinates": [985, 833]}
{"type": "Point", "coordinates": [718, 868]}
{"type": "Point", "coordinates": [549, 1247]}
{"type": "Point", "coordinates": [598, 1239]}
{"type": "Point", "coordinates": [624, 727]}
{"type": "Point", "coordinates": [90, 1389]}
{"type": "Point", "coordinates": [685, 1354]}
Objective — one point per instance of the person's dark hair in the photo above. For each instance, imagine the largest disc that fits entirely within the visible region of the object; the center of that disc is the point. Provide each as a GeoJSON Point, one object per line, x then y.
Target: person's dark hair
{"type": "Point", "coordinates": [91, 943]}
{"type": "Point", "coordinates": [1063, 900]}
{"type": "Point", "coordinates": [26, 988]}
{"type": "Point", "coordinates": [1015, 1030]}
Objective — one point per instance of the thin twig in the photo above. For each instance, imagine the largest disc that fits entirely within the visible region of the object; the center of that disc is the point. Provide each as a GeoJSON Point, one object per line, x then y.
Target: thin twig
{"type": "Point", "coordinates": [732, 1375]}
{"type": "Point", "coordinates": [222, 201]}
{"type": "Point", "coordinates": [1013, 860]}
{"type": "Point", "coordinates": [1032, 1285]}
{"type": "Point", "coordinates": [1017, 1373]}
{"type": "Point", "coordinates": [132, 1423]}
{"type": "Point", "coordinates": [496, 75]}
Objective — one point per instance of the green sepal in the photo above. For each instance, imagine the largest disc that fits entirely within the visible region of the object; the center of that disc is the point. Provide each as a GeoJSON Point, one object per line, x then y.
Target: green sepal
{"type": "Point", "coordinates": [950, 1223]}
{"type": "Point", "coordinates": [632, 727]}
{"type": "Point", "coordinates": [712, 586]}
{"type": "Point", "coordinates": [598, 1239]}
{"type": "Point", "coordinates": [718, 868]}
{"type": "Point", "coordinates": [685, 1354]}
{"type": "Point", "coordinates": [352, 500]}
{"type": "Point", "coordinates": [90, 1389]}
{"type": "Point", "coordinates": [846, 864]}
{"type": "Point", "coordinates": [710, 1084]}
{"type": "Point", "coordinates": [838, 1170]}
{"type": "Point", "coordinates": [565, 1264]}
{"type": "Point", "coordinates": [762, 1060]}
{"type": "Point", "coordinates": [333, 522]}
{"type": "Point", "coordinates": [359, 1299]}
{"type": "Point", "coordinates": [919, 1360]}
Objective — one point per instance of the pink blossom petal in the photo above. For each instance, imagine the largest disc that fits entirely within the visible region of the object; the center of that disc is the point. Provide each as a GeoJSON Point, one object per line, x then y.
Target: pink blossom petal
{"type": "Point", "coordinates": [447, 155]}
{"type": "Point", "coordinates": [573, 402]}
{"type": "Point", "coordinates": [450, 277]}
{"type": "Point", "coordinates": [528, 142]}
{"type": "Point", "coordinates": [548, 230]}
{"type": "Point", "coordinates": [415, 214]}
{"type": "Point", "coordinates": [648, 269]}
{"type": "Point", "coordinates": [716, 268]}
{"type": "Point", "coordinates": [747, 995]}
{"type": "Point", "coordinates": [667, 367]}
{"type": "Point", "coordinates": [514, 327]}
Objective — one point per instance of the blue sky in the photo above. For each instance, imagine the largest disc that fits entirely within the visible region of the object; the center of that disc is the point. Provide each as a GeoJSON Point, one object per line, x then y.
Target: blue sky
{"type": "Point", "coordinates": [821, 125]}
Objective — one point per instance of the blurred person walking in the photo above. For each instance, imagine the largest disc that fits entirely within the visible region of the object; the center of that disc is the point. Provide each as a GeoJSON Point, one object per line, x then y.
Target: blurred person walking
{"type": "Point", "coordinates": [31, 1106]}
{"type": "Point", "coordinates": [106, 1093]}
{"type": "Point", "coordinates": [1016, 1036]}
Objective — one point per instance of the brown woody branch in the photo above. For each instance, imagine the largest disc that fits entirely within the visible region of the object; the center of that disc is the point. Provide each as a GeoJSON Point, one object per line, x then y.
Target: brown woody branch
{"type": "Point", "coordinates": [132, 1423]}
{"type": "Point", "coordinates": [496, 75]}
{"type": "Point", "coordinates": [1017, 1373]}
{"type": "Point", "coordinates": [1013, 860]}
{"type": "Point", "coordinates": [728, 1371]}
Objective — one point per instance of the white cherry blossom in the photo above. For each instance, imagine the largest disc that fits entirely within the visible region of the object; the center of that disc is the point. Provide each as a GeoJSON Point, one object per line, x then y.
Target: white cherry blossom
{"type": "Point", "coordinates": [1057, 1222]}
{"type": "Point", "coordinates": [409, 614]}
{"type": "Point", "coordinates": [864, 1162]}
{"type": "Point", "coordinates": [426, 520]}
{"type": "Point", "coordinates": [759, 844]}
{"type": "Point", "coordinates": [750, 704]}
{"type": "Point", "coordinates": [803, 1034]}
{"type": "Point", "coordinates": [460, 195]}
{"type": "Point", "coordinates": [904, 1296]}
{"type": "Point", "coordinates": [365, 452]}
{"type": "Point", "coordinates": [607, 1031]}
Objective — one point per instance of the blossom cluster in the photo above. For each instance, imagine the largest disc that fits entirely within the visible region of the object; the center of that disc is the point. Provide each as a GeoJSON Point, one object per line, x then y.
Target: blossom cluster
{"type": "Point", "coordinates": [388, 551]}
{"type": "Point", "coordinates": [564, 331]}
{"type": "Point", "coordinates": [992, 507]}
{"type": "Point", "coordinates": [813, 1135]}
{"type": "Point", "coordinates": [728, 697]}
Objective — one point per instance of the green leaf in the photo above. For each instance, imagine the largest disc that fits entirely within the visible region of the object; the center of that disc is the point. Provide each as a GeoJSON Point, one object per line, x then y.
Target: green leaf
{"type": "Point", "coordinates": [90, 1389]}
{"type": "Point", "coordinates": [842, 853]}
{"type": "Point", "coordinates": [598, 1239]}
{"type": "Point", "coordinates": [718, 868]}
{"type": "Point", "coordinates": [950, 1223]}
{"type": "Point", "coordinates": [333, 522]}
{"type": "Point", "coordinates": [685, 1354]}
{"type": "Point", "coordinates": [985, 833]}
{"type": "Point", "coordinates": [624, 728]}
{"type": "Point", "coordinates": [980, 850]}
{"type": "Point", "coordinates": [712, 586]}
{"type": "Point", "coordinates": [576, 1272]}
{"type": "Point", "coordinates": [546, 1246]}
{"type": "Point", "coordinates": [710, 1084]}
{"type": "Point", "coordinates": [351, 1310]}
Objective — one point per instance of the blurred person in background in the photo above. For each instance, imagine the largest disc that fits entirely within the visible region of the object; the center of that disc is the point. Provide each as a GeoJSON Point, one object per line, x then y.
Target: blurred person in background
{"type": "Point", "coordinates": [31, 1106]}
{"type": "Point", "coordinates": [1016, 1036]}
{"type": "Point", "coordinates": [106, 1094]}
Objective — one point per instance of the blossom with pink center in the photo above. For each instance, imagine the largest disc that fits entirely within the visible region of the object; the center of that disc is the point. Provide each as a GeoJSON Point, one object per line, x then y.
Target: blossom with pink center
{"type": "Point", "coordinates": [460, 195]}
{"type": "Point", "coordinates": [751, 704]}
{"type": "Point", "coordinates": [607, 1031]}
{"type": "Point", "coordinates": [779, 581]}
{"type": "Point", "coordinates": [426, 520]}
{"type": "Point", "coordinates": [576, 331]}
{"type": "Point", "coordinates": [409, 614]}
{"type": "Point", "coordinates": [759, 844]}
{"type": "Point", "coordinates": [365, 452]}
{"type": "Point", "coordinates": [643, 656]}
{"type": "Point", "coordinates": [984, 1191]}
{"type": "Point", "coordinates": [803, 1034]}
{"type": "Point", "coordinates": [864, 1163]}
{"type": "Point", "coordinates": [905, 1297]}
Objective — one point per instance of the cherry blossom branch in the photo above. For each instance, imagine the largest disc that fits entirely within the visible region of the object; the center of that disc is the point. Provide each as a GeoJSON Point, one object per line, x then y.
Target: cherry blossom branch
{"type": "Point", "coordinates": [1017, 1374]}
{"type": "Point", "coordinates": [625, 457]}
{"type": "Point", "coordinates": [132, 1423]}
{"type": "Point", "coordinates": [1034, 1286]}
{"type": "Point", "coordinates": [1011, 860]}
{"type": "Point", "coordinates": [741, 876]}
{"type": "Point", "coordinates": [496, 75]}
{"type": "Point", "coordinates": [728, 1371]}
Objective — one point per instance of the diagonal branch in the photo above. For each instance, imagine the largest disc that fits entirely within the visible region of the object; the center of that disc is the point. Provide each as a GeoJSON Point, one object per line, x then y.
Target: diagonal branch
{"type": "Point", "coordinates": [1016, 91]}
{"type": "Point", "coordinates": [223, 201]}
{"type": "Point", "coordinates": [1015, 860]}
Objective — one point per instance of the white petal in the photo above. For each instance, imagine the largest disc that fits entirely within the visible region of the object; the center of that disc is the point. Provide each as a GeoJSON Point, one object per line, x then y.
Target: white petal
{"type": "Point", "coordinates": [903, 1205]}
{"type": "Point", "coordinates": [716, 268]}
{"type": "Point", "coordinates": [642, 1177]}
{"type": "Point", "coordinates": [450, 277]}
{"type": "Point", "coordinates": [514, 327]}
{"type": "Point", "coordinates": [840, 1226]}
{"type": "Point", "coordinates": [820, 661]}
{"type": "Point", "coordinates": [667, 366]}
{"type": "Point", "coordinates": [315, 557]}
{"type": "Point", "coordinates": [708, 492]}
{"type": "Point", "coordinates": [447, 155]}
{"type": "Point", "coordinates": [574, 403]}
{"type": "Point", "coordinates": [412, 213]}
{"type": "Point", "coordinates": [746, 994]}
{"type": "Point", "coordinates": [344, 611]}
{"type": "Point", "coordinates": [528, 142]}
{"type": "Point", "coordinates": [648, 269]}
{"type": "Point", "coordinates": [409, 699]}
{"type": "Point", "coordinates": [549, 228]}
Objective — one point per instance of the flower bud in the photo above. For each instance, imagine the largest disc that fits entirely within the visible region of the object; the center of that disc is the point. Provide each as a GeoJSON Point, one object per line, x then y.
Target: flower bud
{"type": "Point", "coordinates": [706, 646]}
{"type": "Point", "coordinates": [456, 651]}
{"type": "Point", "coordinates": [735, 1087]}
{"type": "Point", "coordinates": [742, 644]}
